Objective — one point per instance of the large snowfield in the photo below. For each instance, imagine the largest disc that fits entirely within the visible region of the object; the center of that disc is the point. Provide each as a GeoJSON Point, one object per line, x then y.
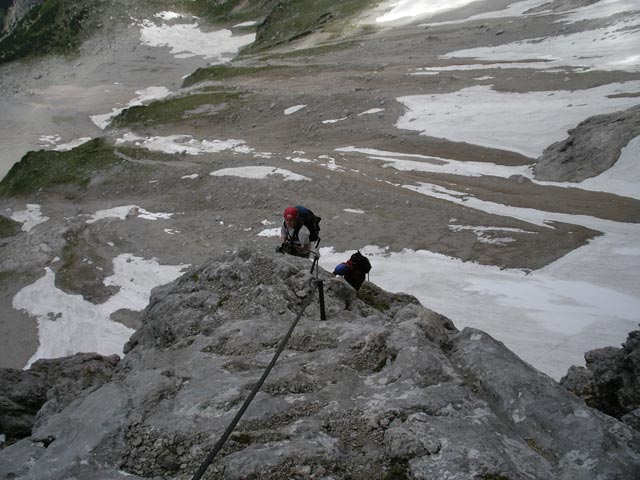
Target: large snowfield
{"type": "Point", "coordinates": [550, 317]}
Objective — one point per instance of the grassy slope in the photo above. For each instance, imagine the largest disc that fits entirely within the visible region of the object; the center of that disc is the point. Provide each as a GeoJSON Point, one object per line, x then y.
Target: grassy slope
{"type": "Point", "coordinates": [292, 19]}
{"type": "Point", "coordinates": [52, 27]}
{"type": "Point", "coordinates": [174, 110]}
{"type": "Point", "coordinates": [8, 227]}
{"type": "Point", "coordinates": [43, 169]}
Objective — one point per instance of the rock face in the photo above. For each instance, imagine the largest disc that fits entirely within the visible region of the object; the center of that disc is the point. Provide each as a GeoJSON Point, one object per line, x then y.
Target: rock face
{"type": "Point", "coordinates": [16, 12]}
{"type": "Point", "coordinates": [27, 397]}
{"type": "Point", "coordinates": [591, 148]}
{"type": "Point", "coordinates": [385, 388]}
{"type": "Point", "coordinates": [611, 380]}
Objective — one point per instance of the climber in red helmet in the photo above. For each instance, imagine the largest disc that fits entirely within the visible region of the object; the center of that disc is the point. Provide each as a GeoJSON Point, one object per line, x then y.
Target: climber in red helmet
{"type": "Point", "coordinates": [294, 234]}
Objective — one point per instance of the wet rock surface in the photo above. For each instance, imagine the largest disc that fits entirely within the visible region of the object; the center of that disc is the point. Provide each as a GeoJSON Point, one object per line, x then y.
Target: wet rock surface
{"type": "Point", "coordinates": [383, 386]}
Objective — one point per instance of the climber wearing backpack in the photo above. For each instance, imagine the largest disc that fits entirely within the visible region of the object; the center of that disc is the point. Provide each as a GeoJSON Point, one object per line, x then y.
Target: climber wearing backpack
{"type": "Point", "coordinates": [354, 270]}
{"type": "Point", "coordinates": [299, 228]}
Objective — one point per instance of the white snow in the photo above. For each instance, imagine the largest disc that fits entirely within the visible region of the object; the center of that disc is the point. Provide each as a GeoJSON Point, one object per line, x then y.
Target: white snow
{"type": "Point", "coordinates": [424, 163]}
{"type": "Point", "coordinates": [533, 121]}
{"type": "Point", "coordinates": [246, 24]}
{"type": "Point", "coordinates": [512, 10]}
{"type": "Point", "coordinates": [258, 173]}
{"type": "Point", "coordinates": [608, 48]}
{"type": "Point", "coordinates": [270, 232]}
{"type": "Point", "coordinates": [145, 95]}
{"type": "Point", "coordinates": [126, 211]}
{"type": "Point", "coordinates": [30, 217]}
{"type": "Point", "coordinates": [334, 120]}
{"type": "Point", "coordinates": [193, 176]}
{"type": "Point", "coordinates": [548, 321]}
{"type": "Point", "coordinates": [590, 298]}
{"type": "Point", "coordinates": [353, 210]}
{"type": "Point", "coordinates": [182, 144]}
{"type": "Point", "coordinates": [54, 141]}
{"type": "Point", "coordinates": [68, 324]}
{"type": "Point", "coordinates": [166, 15]}
{"type": "Point", "coordinates": [64, 147]}
{"type": "Point", "coordinates": [484, 234]}
{"type": "Point", "coordinates": [623, 178]}
{"type": "Point", "coordinates": [398, 9]}
{"type": "Point", "coordinates": [601, 9]}
{"type": "Point", "coordinates": [187, 40]}
{"type": "Point", "coordinates": [294, 109]}
{"type": "Point", "coordinates": [371, 111]}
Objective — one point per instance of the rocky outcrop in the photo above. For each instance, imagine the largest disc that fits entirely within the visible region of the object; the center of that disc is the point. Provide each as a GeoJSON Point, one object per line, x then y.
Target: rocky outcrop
{"type": "Point", "coordinates": [611, 380]}
{"type": "Point", "coordinates": [16, 12]}
{"type": "Point", "coordinates": [28, 396]}
{"type": "Point", "coordinates": [591, 148]}
{"type": "Point", "coordinates": [384, 388]}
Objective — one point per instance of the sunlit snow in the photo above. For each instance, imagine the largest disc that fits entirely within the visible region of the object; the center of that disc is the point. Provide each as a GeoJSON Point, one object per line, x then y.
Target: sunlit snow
{"type": "Point", "coordinates": [68, 324]}
{"type": "Point", "coordinates": [608, 48]}
{"type": "Point", "coordinates": [144, 95]}
{"type": "Point", "coordinates": [533, 121]}
{"type": "Point", "coordinates": [294, 109]}
{"type": "Point", "coordinates": [398, 9]}
{"type": "Point", "coordinates": [259, 173]}
{"type": "Point", "coordinates": [424, 163]}
{"type": "Point", "coordinates": [270, 232]}
{"type": "Point", "coordinates": [30, 217]}
{"type": "Point", "coordinates": [128, 211]}
{"type": "Point", "coordinates": [623, 178]}
{"type": "Point", "coordinates": [188, 40]}
{"type": "Point", "coordinates": [182, 144]}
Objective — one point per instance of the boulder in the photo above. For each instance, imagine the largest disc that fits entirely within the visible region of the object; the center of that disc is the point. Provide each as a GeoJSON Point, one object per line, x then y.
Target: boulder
{"type": "Point", "coordinates": [591, 148]}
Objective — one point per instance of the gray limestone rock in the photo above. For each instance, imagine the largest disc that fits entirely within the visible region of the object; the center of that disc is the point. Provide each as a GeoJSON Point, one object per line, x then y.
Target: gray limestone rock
{"type": "Point", "coordinates": [383, 387]}
{"type": "Point", "coordinates": [611, 380]}
{"type": "Point", "coordinates": [591, 148]}
{"type": "Point", "coordinates": [29, 397]}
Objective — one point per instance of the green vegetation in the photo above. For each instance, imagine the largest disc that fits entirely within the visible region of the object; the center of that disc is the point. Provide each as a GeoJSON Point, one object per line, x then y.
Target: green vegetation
{"type": "Point", "coordinates": [51, 27]}
{"type": "Point", "coordinates": [311, 52]}
{"type": "Point", "coordinates": [174, 110]}
{"type": "Point", "coordinates": [144, 155]}
{"type": "Point", "coordinates": [4, 6]}
{"type": "Point", "coordinates": [223, 300]}
{"type": "Point", "coordinates": [223, 72]}
{"type": "Point", "coordinates": [229, 11]}
{"type": "Point", "coordinates": [8, 227]}
{"type": "Point", "coordinates": [370, 297]}
{"type": "Point", "coordinates": [291, 20]}
{"type": "Point", "coordinates": [44, 169]}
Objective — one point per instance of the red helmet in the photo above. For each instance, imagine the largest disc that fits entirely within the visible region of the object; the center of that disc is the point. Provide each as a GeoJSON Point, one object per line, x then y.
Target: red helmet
{"type": "Point", "coordinates": [290, 213]}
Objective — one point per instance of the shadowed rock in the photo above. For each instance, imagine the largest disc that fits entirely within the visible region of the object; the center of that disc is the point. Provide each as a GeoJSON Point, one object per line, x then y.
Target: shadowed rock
{"type": "Point", "coordinates": [611, 380]}
{"type": "Point", "coordinates": [383, 387]}
{"type": "Point", "coordinates": [28, 396]}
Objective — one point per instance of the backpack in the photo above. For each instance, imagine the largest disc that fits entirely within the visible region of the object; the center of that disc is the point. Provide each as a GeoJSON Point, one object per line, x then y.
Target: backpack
{"type": "Point", "coordinates": [361, 262]}
{"type": "Point", "coordinates": [309, 220]}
